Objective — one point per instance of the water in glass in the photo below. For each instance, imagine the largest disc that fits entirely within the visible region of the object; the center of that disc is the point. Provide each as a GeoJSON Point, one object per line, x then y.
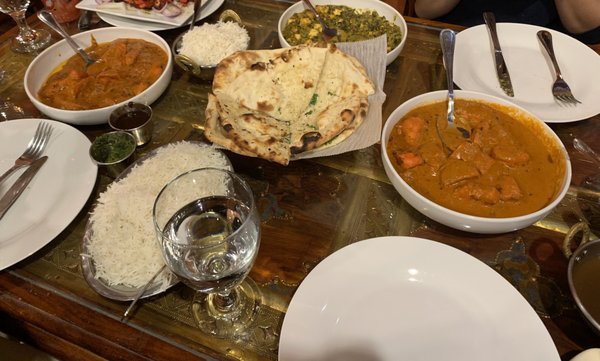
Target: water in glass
{"type": "Point", "coordinates": [198, 250]}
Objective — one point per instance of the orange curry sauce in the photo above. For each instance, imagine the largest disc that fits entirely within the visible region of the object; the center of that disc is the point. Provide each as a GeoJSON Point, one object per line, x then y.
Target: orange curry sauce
{"type": "Point", "coordinates": [126, 67]}
{"type": "Point", "coordinates": [507, 168]}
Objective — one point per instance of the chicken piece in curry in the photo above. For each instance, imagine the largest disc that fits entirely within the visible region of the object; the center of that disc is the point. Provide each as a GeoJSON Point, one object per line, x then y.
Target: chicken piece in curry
{"type": "Point", "coordinates": [125, 68]}
{"type": "Point", "coordinates": [506, 168]}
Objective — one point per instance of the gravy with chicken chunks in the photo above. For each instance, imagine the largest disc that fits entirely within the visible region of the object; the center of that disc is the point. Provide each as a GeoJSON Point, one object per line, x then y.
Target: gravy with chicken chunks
{"type": "Point", "coordinates": [125, 68]}
{"type": "Point", "coordinates": [507, 167]}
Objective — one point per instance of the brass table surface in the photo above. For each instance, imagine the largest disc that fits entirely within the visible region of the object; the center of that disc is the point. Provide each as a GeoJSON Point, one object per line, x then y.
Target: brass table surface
{"type": "Point", "coordinates": [309, 209]}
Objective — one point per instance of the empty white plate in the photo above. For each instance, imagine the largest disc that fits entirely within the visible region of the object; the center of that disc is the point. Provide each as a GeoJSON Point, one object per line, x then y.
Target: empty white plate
{"type": "Point", "coordinates": [405, 298]}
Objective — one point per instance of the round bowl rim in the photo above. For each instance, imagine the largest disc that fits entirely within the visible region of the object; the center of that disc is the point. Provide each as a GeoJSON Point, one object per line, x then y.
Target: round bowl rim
{"type": "Point", "coordinates": [580, 249]}
{"type": "Point", "coordinates": [500, 221]}
{"type": "Point", "coordinates": [108, 134]}
{"type": "Point", "coordinates": [390, 56]}
{"type": "Point", "coordinates": [129, 33]}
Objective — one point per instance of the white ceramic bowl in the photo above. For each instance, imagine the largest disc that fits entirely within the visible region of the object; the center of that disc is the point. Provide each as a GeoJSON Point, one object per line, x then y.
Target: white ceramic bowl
{"type": "Point", "coordinates": [49, 59]}
{"type": "Point", "coordinates": [447, 216]}
{"type": "Point", "coordinates": [382, 9]}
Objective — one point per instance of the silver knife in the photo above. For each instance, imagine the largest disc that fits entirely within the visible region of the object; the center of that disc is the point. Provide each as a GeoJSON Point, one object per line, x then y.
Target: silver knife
{"type": "Point", "coordinates": [501, 69]}
{"type": "Point", "coordinates": [16, 189]}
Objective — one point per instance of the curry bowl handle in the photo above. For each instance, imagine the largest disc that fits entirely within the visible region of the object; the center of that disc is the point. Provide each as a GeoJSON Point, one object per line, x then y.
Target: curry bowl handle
{"type": "Point", "coordinates": [230, 15]}
{"type": "Point", "coordinates": [187, 64]}
{"type": "Point", "coordinates": [571, 237]}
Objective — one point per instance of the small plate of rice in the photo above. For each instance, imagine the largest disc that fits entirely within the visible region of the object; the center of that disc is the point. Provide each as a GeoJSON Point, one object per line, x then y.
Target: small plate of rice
{"type": "Point", "coordinates": [120, 251]}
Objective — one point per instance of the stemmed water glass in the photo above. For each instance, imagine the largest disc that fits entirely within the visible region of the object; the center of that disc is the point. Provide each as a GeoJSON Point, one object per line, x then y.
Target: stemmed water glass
{"type": "Point", "coordinates": [27, 40]}
{"type": "Point", "coordinates": [208, 228]}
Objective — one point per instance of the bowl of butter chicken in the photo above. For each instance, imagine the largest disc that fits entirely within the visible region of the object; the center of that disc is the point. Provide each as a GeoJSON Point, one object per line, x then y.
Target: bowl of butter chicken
{"type": "Point", "coordinates": [509, 171]}
{"type": "Point", "coordinates": [131, 65]}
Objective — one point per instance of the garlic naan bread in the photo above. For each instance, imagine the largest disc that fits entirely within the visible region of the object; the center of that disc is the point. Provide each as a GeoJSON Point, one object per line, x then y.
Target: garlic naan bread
{"type": "Point", "coordinates": [266, 145]}
{"type": "Point", "coordinates": [278, 83]}
{"type": "Point", "coordinates": [340, 99]}
{"type": "Point", "coordinates": [274, 103]}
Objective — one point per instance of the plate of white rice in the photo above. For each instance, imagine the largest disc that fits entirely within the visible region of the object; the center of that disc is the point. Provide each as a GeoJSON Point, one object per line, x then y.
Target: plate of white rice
{"type": "Point", "coordinates": [120, 251]}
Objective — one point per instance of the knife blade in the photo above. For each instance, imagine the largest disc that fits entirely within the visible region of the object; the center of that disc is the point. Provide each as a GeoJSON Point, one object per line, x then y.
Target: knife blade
{"type": "Point", "coordinates": [501, 69]}
{"type": "Point", "coordinates": [19, 186]}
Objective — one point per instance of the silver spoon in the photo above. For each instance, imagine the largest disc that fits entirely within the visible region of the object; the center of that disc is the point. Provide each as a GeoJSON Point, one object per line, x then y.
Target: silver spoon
{"type": "Point", "coordinates": [47, 18]}
{"type": "Point", "coordinates": [141, 293]}
{"type": "Point", "coordinates": [328, 32]}
{"type": "Point", "coordinates": [448, 41]}
{"type": "Point", "coordinates": [197, 9]}
{"type": "Point", "coordinates": [182, 60]}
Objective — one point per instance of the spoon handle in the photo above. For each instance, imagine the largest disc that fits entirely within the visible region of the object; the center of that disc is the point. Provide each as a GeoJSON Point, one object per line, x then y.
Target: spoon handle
{"type": "Point", "coordinates": [448, 40]}
{"type": "Point", "coordinates": [197, 8]}
{"type": "Point", "coordinates": [141, 293]}
{"type": "Point", "coordinates": [314, 11]}
{"type": "Point", "coordinates": [47, 18]}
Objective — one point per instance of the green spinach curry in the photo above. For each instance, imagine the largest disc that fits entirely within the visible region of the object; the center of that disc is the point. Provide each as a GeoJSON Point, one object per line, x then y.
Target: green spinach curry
{"type": "Point", "coordinates": [352, 25]}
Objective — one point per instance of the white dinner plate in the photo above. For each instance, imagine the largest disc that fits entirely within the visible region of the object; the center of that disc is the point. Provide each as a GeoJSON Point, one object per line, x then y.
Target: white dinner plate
{"type": "Point", "coordinates": [116, 20]}
{"type": "Point", "coordinates": [530, 70]}
{"type": "Point", "coordinates": [55, 195]}
{"type": "Point", "coordinates": [406, 298]}
{"type": "Point", "coordinates": [122, 9]}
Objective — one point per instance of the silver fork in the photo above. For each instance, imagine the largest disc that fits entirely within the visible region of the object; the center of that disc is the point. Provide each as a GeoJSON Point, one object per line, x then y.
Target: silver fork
{"type": "Point", "coordinates": [560, 89]}
{"type": "Point", "coordinates": [34, 149]}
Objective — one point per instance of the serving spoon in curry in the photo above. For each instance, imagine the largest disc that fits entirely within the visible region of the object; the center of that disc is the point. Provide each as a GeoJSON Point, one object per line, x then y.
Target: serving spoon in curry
{"type": "Point", "coordinates": [327, 32]}
{"type": "Point", "coordinates": [448, 41]}
{"type": "Point", "coordinates": [48, 18]}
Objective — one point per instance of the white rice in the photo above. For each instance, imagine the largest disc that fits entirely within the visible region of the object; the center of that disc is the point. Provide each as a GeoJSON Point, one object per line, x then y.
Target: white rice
{"type": "Point", "coordinates": [124, 245]}
{"type": "Point", "coordinates": [208, 44]}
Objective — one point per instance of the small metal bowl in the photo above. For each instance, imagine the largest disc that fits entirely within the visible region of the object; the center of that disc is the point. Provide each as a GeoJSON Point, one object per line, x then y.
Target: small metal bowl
{"type": "Point", "coordinates": [102, 148]}
{"type": "Point", "coordinates": [583, 272]}
{"type": "Point", "coordinates": [187, 64]}
{"type": "Point", "coordinates": [134, 118]}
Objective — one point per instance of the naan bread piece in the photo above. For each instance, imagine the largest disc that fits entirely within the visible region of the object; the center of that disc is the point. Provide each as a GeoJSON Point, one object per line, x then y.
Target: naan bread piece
{"type": "Point", "coordinates": [272, 103]}
{"type": "Point", "coordinates": [346, 133]}
{"type": "Point", "coordinates": [278, 83]}
{"type": "Point", "coordinates": [251, 134]}
{"type": "Point", "coordinates": [214, 132]}
{"type": "Point", "coordinates": [340, 99]}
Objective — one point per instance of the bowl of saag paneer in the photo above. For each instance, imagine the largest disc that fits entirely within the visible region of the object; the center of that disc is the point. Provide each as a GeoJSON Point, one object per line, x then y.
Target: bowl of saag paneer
{"type": "Point", "coordinates": [355, 20]}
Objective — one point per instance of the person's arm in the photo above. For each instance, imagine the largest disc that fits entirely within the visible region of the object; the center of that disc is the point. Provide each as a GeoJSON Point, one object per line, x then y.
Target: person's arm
{"type": "Point", "coordinates": [431, 9]}
{"type": "Point", "coordinates": [578, 16]}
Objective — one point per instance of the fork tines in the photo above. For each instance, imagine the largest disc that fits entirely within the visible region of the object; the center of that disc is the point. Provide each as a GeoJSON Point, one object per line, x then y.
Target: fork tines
{"type": "Point", "coordinates": [40, 138]}
{"type": "Point", "coordinates": [563, 93]}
